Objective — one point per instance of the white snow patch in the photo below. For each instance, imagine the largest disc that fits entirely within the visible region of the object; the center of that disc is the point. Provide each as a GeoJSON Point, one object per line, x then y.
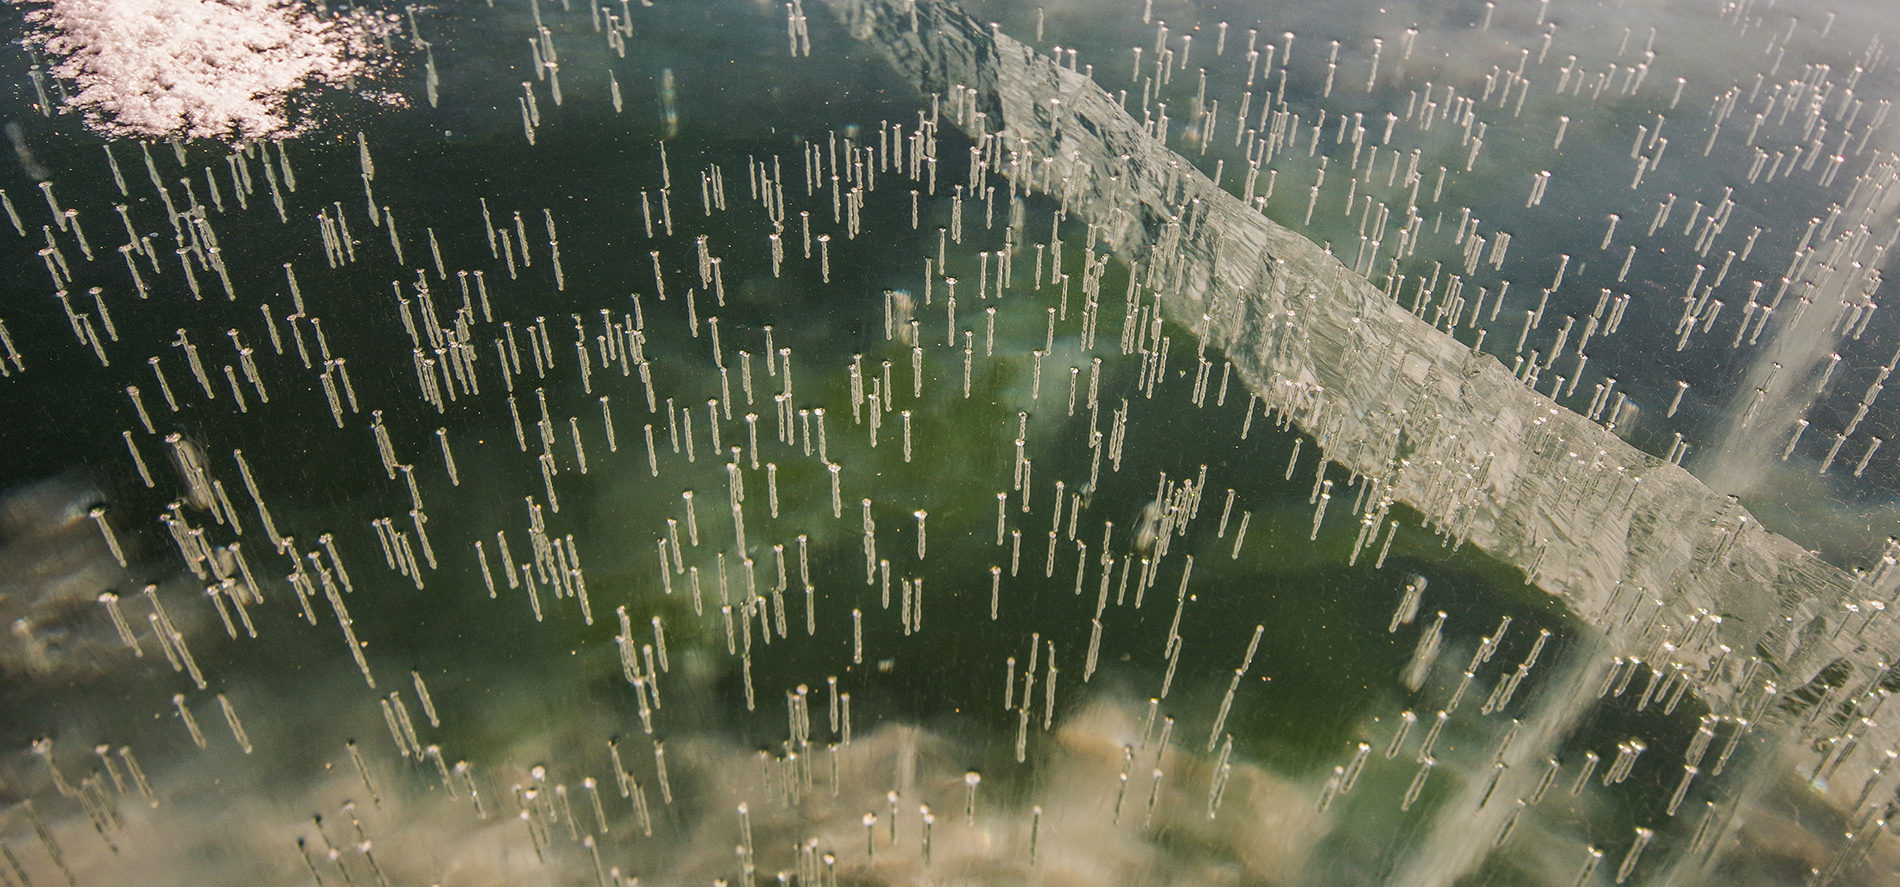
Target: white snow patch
{"type": "Point", "coordinates": [212, 69]}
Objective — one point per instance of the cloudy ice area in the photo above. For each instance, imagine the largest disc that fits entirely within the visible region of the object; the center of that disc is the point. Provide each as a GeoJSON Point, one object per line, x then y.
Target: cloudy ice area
{"type": "Point", "coordinates": [229, 70]}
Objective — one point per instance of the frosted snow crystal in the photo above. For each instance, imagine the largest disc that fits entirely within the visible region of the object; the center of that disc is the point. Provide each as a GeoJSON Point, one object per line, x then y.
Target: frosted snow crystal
{"type": "Point", "coordinates": [216, 69]}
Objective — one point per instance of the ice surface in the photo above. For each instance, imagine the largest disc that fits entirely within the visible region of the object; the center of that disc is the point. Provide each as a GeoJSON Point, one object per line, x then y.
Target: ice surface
{"type": "Point", "coordinates": [323, 557]}
{"type": "Point", "coordinates": [1446, 430]}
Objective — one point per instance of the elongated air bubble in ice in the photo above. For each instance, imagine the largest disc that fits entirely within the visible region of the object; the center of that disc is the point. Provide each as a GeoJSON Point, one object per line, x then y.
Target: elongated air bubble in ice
{"type": "Point", "coordinates": [191, 723]}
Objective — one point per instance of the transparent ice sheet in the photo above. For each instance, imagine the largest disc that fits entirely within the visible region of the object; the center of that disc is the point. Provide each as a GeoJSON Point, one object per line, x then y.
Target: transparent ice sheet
{"type": "Point", "coordinates": [1240, 651]}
